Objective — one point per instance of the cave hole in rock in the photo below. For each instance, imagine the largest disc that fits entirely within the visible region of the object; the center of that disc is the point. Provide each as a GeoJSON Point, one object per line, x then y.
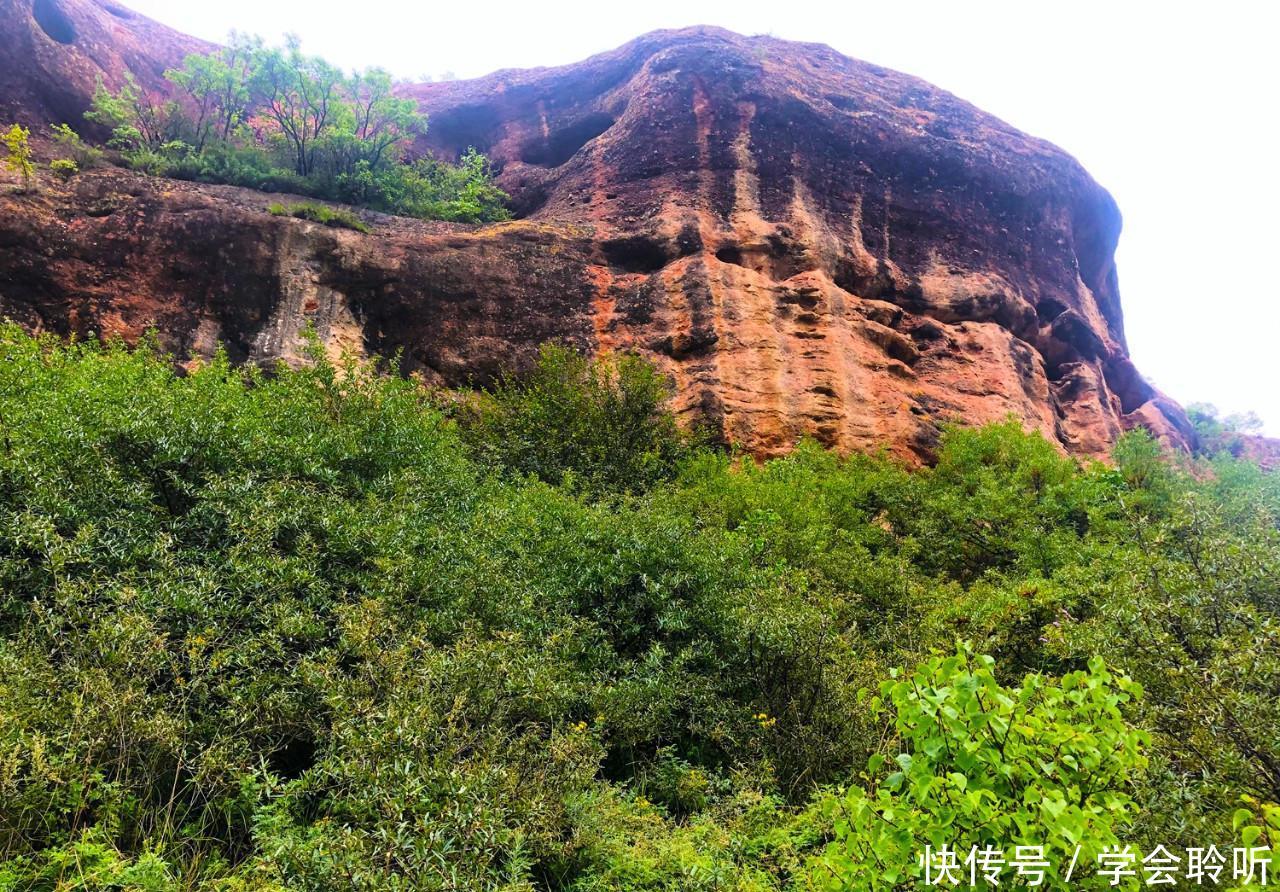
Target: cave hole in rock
{"type": "Point", "coordinates": [467, 125]}
{"type": "Point", "coordinates": [53, 21]}
{"type": "Point", "coordinates": [1050, 309]}
{"type": "Point", "coordinates": [731, 254]}
{"type": "Point", "coordinates": [636, 254]}
{"type": "Point", "coordinates": [565, 142]}
{"type": "Point", "coordinates": [1125, 382]}
{"type": "Point", "coordinates": [118, 11]}
{"type": "Point", "coordinates": [527, 201]}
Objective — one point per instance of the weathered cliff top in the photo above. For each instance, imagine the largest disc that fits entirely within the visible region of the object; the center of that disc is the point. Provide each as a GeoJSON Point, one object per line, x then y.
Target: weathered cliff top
{"type": "Point", "coordinates": [808, 244]}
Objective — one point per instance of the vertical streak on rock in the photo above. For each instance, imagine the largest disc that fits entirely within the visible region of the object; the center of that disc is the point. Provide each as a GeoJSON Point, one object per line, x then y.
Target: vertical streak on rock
{"type": "Point", "coordinates": [273, 340]}
{"type": "Point", "coordinates": [757, 352]}
{"type": "Point", "coordinates": [747, 219]}
{"type": "Point", "coordinates": [820, 333]}
{"type": "Point", "coordinates": [542, 119]}
{"type": "Point", "coordinates": [304, 299]}
{"type": "Point", "coordinates": [602, 279]}
{"type": "Point", "coordinates": [888, 201]}
{"type": "Point", "coordinates": [603, 306]}
{"type": "Point", "coordinates": [711, 377]}
{"type": "Point", "coordinates": [862, 256]}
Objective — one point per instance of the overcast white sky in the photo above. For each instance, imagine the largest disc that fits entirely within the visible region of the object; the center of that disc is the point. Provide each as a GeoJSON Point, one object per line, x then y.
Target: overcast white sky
{"type": "Point", "coordinates": [1172, 106]}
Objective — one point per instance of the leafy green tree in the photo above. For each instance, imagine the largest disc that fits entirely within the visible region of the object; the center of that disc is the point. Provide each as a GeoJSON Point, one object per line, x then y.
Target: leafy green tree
{"type": "Point", "coordinates": [137, 119]}
{"type": "Point", "coordinates": [217, 85]}
{"type": "Point", "coordinates": [1185, 600]}
{"type": "Point", "coordinates": [381, 121]}
{"type": "Point", "coordinates": [302, 94]}
{"type": "Point", "coordinates": [1218, 434]}
{"type": "Point", "coordinates": [363, 155]}
{"type": "Point", "coordinates": [983, 766]}
{"type": "Point", "coordinates": [17, 143]}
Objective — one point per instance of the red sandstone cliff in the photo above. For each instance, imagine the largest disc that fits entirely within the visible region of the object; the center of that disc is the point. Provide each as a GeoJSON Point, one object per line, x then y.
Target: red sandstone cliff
{"type": "Point", "coordinates": [808, 244]}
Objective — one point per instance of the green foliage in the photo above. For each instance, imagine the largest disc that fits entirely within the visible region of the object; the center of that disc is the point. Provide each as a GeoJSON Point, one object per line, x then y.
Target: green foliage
{"type": "Point", "coordinates": [84, 155]}
{"type": "Point", "coordinates": [218, 87]}
{"type": "Point", "coordinates": [1222, 434]}
{"type": "Point", "coordinates": [281, 120]}
{"type": "Point", "coordinates": [301, 94]}
{"type": "Point", "coordinates": [18, 158]}
{"type": "Point", "coordinates": [369, 136]}
{"type": "Point", "coordinates": [1209, 422]}
{"type": "Point", "coordinates": [317, 213]}
{"type": "Point", "coordinates": [138, 120]}
{"type": "Point", "coordinates": [64, 168]}
{"type": "Point", "coordinates": [601, 424]}
{"type": "Point", "coordinates": [428, 188]}
{"type": "Point", "coordinates": [982, 765]}
{"type": "Point", "coordinates": [1258, 824]}
{"type": "Point", "coordinates": [299, 629]}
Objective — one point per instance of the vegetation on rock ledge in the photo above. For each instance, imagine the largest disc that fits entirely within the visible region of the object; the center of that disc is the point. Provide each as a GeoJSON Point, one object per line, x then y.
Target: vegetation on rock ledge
{"type": "Point", "coordinates": [18, 158]}
{"type": "Point", "coordinates": [280, 120]}
{"type": "Point", "coordinates": [317, 213]}
{"type": "Point", "coordinates": [301, 630]}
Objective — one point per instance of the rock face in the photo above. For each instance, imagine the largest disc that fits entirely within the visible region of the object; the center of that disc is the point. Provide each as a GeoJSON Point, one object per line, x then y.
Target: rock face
{"type": "Point", "coordinates": [54, 52]}
{"type": "Point", "coordinates": [1262, 451]}
{"type": "Point", "coordinates": [807, 244]}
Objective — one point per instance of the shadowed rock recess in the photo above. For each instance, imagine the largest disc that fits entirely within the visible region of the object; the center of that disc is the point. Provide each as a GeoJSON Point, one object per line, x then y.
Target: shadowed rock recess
{"type": "Point", "coordinates": [806, 243]}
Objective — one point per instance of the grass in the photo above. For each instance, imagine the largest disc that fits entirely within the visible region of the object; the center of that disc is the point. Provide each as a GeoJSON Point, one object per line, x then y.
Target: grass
{"type": "Point", "coordinates": [318, 213]}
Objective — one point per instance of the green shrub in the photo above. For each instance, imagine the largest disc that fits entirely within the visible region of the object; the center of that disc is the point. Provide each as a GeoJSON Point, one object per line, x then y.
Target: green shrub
{"type": "Point", "coordinates": [603, 424]}
{"type": "Point", "coordinates": [431, 189]}
{"type": "Point", "coordinates": [17, 143]}
{"type": "Point", "coordinates": [983, 766]}
{"type": "Point", "coordinates": [84, 155]}
{"type": "Point", "coordinates": [64, 168]}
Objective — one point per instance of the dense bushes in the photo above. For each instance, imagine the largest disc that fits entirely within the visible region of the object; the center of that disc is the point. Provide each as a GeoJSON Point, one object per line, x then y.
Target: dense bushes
{"type": "Point", "coordinates": [301, 630]}
{"type": "Point", "coordinates": [603, 426]}
{"type": "Point", "coordinates": [280, 120]}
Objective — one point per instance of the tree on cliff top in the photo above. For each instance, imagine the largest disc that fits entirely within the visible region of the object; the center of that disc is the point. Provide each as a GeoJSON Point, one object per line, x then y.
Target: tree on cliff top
{"type": "Point", "coordinates": [302, 94]}
{"type": "Point", "coordinates": [137, 119]}
{"type": "Point", "coordinates": [277, 119]}
{"type": "Point", "coordinates": [218, 87]}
